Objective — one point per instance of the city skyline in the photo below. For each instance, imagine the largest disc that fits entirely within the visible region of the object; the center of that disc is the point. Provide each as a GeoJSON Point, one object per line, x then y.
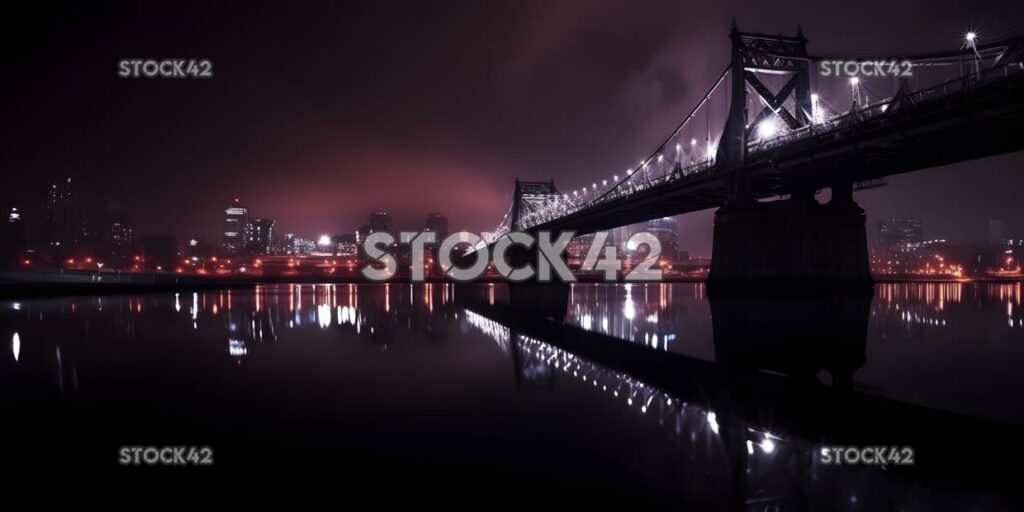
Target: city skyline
{"type": "Point", "coordinates": [319, 153]}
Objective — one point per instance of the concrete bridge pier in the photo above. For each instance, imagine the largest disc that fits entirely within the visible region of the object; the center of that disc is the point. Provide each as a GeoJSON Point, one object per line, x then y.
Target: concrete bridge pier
{"type": "Point", "coordinates": [795, 242]}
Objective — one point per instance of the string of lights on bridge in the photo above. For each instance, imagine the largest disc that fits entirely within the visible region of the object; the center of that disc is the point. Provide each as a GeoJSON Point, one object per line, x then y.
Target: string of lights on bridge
{"type": "Point", "coordinates": [692, 149]}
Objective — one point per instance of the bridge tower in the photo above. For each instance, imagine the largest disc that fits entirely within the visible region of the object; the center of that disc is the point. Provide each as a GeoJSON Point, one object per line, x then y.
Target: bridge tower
{"type": "Point", "coordinates": [537, 299]}
{"type": "Point", "coordinates": [753, 53]}
{"type": "Point", "coordinates": [796, 240]}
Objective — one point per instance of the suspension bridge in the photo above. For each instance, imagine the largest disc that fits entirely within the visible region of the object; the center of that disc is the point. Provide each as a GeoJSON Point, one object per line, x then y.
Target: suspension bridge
{"type": "Point", "coordinates": [774, 126]}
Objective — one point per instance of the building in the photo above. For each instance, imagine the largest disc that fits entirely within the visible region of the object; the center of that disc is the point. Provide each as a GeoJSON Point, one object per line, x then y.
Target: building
{"type": "Point", "coordinates": [666, 230]}
{"type": "Point", "coordinates": [285, 244]}
{"type": "Point", "coordinates": [235, 222]}
{"type": "Point", "coordinates": [12, 239]}
{"type": "Point", "coordinates": [379, 222]}
{"type": "Point", "coordinates": [347, 246]}
{"type": "Point", "coordinates": [58, 222]}
{"type": "Point", "coordinates": [259, 235]}
{"type": "Point", "coordinates": [437, 223]}
{"type": "Point", "coordinates": [897, 232]}
{"type": "Point", "coordinates": [362, 233]}
{"type": "Point", "coordinates": [117, 239]}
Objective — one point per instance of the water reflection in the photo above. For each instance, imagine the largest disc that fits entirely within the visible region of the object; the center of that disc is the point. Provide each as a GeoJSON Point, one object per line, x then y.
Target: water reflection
{"type": "Point", "coordinates": [746, 391]}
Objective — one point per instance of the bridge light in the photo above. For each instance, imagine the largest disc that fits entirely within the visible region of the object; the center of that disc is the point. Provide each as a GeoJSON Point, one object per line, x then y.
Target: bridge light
{"type": "Point", "coordinates": [854, 80]}
{"type": "Point", "coordinates": [604, 183]}
{"type": "Point", "coordinates": [970, 37]}
{"type": "Point", "coordinates": [595, 186]}
{"type": "Point", "coordinates": [615, 178]}
{"type": "Point", "coordinates": [693, 142]}
{"type": "Point", "coordinates": [660, 158]}
{"type": "Point", "coordinates": [767, 129]}
{"type": "Point", "coordinates": [678, 148]}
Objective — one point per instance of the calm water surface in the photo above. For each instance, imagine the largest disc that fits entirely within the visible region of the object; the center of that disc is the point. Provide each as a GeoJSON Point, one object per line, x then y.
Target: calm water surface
{"type": "Point", "coordinates": [649, 394]}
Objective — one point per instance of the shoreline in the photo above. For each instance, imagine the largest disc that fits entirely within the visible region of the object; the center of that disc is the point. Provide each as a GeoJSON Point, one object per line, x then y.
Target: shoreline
{"type": "Point", "coordinates": [15, 284]}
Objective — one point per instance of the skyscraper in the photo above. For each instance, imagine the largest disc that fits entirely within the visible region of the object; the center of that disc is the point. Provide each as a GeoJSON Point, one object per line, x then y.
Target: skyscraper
{"type": "Point", "coordinates": [898, 232]}
{"type": "Point", "coordinates": [58, 218]}
{"type": "Point", "coordinates": [117, 237]}
{"type": "Point", "coordinates": [235, 227]}
{"type": "Point", "coordinates": [438, 223]}
{"type": "Point", "coordinates": [380, 221]}
{"type": "Point", "coordinates": [259, 236]}
{"type": "Point", "coordinates": [12, 239]}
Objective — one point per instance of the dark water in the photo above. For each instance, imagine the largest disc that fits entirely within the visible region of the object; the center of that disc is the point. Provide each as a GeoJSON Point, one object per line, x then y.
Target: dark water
{"type": "Point", "coordinates": [651, 395]}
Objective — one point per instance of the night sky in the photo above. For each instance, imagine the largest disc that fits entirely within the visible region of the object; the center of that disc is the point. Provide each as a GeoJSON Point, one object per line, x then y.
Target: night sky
{"type": "Point", "coordinates": [321, 113]}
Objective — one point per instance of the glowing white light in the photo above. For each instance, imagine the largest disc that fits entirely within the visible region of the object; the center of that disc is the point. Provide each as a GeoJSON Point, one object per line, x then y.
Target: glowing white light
{"type": "Point", "coordinates": [970, 36]}
{"type": "Point", "coordinates": [324, 240]}
{"type": "Point", "coordinates": [615, 178]}
{"type": "Point", "coordinates": [16, 346]}
{"type": "Point", "coordinates": [767, 129]}
{"type": "Point", "coordinates": [750, 448]}
{"type": "Point", "coordinates": [604, 183]}
{"type": "Point", "coordinates": [854, 80]}
{"type": "Point", "coordinates": [713, 422]}
{"type": "Point", "coordinates": [660, 158]}
{"type": "Point", "coordinates": [816, 114]}
{"type": "Point", "coordinates": [323, 314]}
{"type": "Point", "coordinates": [767, 445]}
{"type": "Point", "coordinates": [693, 142]}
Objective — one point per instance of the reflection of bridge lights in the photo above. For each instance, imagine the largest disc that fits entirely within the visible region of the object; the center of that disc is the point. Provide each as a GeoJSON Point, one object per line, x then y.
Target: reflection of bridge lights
{"type": "Point", "coordinates": [713, 421]}
{"type": "Point", "coordinates": [236, 348]}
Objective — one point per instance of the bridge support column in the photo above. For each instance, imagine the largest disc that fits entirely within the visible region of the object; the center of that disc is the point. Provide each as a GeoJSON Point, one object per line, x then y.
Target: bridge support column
{"type": "Point", "coordinates": [796, 242]}
{"type": "Point", "coordinates": [534, 298]}
{"type": "Point", "coordinates": [543, 300]}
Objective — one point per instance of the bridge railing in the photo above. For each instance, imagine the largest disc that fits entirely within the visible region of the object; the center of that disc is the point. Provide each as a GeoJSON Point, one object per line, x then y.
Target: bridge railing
{"type": "Point", "coordinates": [625, 190]}
{"type": "Point", "coordinates": [933, 93]}
{"type": "Point", "coordinates": [637, 183]}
